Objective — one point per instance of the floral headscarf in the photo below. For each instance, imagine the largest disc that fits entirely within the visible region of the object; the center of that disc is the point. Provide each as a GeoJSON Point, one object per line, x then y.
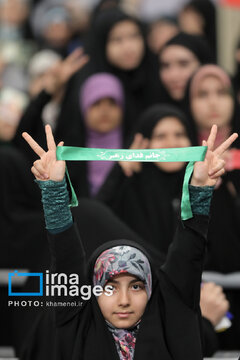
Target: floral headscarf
{"type": "Point", "coordinates": [122, 259]}
{"type": "Point", "coordinates": [125, 340]}
{"type": "Point", "coordinates": [118, 260]}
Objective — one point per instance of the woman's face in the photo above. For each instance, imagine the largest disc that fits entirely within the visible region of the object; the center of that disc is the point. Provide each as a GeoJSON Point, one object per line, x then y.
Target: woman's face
{"type": "Point", "coordinates": [160, 33]}
{"type": "Point", "coordinates": [212, 104]}
{"type": "Point", "coordinates": [169, 133]}
{"type": "Point", "coordinates": [125, 46]}
{"type": "Point", "coordinates": [190, 21]}
{"type": "Point", "coordinates": [125, 307]}
{"type": "Point", "coordinates": [104, 116]}
{"type": "Point", "coordinates": [177, 64]}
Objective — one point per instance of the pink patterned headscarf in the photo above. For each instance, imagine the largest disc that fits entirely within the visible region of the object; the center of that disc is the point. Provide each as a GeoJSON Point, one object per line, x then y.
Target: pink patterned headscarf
{"type": "Point", "coordinates": [205, 71]}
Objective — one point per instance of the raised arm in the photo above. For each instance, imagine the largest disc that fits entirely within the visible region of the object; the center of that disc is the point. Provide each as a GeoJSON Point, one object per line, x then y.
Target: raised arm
{"type": "Point", "coordinates": [54, 83]}
{"type": "Point", "coordinates": [67, 251]}
{"type": "Point", "coordinates": [186, 254]}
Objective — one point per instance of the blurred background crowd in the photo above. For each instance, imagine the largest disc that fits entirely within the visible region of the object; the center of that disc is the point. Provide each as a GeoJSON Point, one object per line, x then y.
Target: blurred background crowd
{"type": "Point", "coordinates": [118, 74]}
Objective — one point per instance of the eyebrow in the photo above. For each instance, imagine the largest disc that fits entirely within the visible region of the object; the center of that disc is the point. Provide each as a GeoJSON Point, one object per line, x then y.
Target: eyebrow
{"type": "Point", "coordinates": [131, 282]}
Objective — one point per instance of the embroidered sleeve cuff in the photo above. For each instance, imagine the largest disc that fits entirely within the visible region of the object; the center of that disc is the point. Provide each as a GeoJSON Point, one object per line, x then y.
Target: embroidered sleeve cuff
{"type": "Point", "coordinates": [200, 198]}
{"type": "Point", "coordinates": [55, 199]}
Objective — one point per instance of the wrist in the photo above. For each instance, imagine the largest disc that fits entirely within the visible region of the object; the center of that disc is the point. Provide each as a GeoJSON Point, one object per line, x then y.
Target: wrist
{"type": "Point", "coordinates": [197, 183]}
{"type": "Point", "coordinates": [55, 201]}
{"type": "Point", "coordinates": [200, 199]}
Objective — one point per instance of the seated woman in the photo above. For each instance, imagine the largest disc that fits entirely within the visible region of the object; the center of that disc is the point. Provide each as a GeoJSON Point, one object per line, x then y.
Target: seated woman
{"type": "Point", "coordinates": [151, 210]}
{"type": "Point", "coordinates": [101, 125]}
{"type": "Point", "coordinates": [116, 44]}
{"type": "Point", "coordinates": [151, 311]}
{"type": "Point", "coordinates": [212, 101]}
{"type": "Point", "coordinates": [180, 57]}
{"type": "Point", "coordinates": [102, 106]}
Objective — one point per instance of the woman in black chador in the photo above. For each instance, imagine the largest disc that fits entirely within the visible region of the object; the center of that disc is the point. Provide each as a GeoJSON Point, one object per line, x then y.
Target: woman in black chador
{"type": "Point", "coordinates": [149, 200]}
{"type": "Point", "coordinates": [116, 44]}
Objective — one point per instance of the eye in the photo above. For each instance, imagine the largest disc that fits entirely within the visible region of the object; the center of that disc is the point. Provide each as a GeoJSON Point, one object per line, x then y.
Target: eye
{"type": "Point", "coordinates": [223, 92]}
{"type": "Point", "coordinates": [164, 65]}
{"type": "Point", "coordinates": [115, 39]}
{"type": "Point", "coordinates": [135, 35]}
{"type": "Point", "coordinates": [111, 287]}
{"type": "Point", "coordinates": [184, 63]}
{"type": "Point", "coordinates": [202, 94]}
{"type": "Point", "coordinates": [180, 135]}
{"type": "Point", "coordinates": [137, 287]}
{"type": "Point", "coordinates": [158, 136]}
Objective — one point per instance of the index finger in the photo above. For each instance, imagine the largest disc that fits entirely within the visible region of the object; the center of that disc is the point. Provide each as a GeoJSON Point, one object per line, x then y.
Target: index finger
{"type": "Point", "coordinates": [226, 144]}
{"type": "Point", "coordinates": [212, 137]}
{"type": "Point", "coordinates": [50, 139]}
{"type": "Point", "coordinates": [33, 144]}
{"type": "Point", "coordinates": [136, 141]}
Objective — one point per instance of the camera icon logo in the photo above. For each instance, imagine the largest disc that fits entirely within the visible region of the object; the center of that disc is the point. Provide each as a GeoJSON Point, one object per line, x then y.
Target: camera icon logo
{"type": "Point", "coordinates": [35, 293]}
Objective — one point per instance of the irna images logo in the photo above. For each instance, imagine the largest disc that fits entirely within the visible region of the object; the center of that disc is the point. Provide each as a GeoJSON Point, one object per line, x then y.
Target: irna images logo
{"type": "Point", "coordinates": [58, 284]}
{"type": "Point", "coordinates": [39, 292]}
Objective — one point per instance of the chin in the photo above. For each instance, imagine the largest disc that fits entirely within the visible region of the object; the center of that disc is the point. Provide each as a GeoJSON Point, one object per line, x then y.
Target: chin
{"type": "Point", "coordinates": [123, 324]}
{"type": "Point", "coordinates": [131, 65]}
{"type": "Point", "coordinates": [177, 97]}
{"type": "Point", "coordinates": [104, 130]}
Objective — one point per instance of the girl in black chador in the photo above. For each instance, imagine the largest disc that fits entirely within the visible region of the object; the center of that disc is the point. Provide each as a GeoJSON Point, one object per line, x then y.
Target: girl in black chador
{"type": "Point", "coordinates": [149, 311]}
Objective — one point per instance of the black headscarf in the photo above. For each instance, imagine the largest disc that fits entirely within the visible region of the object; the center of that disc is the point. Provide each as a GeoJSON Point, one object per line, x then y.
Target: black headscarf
{"type": "Point", "coordinates": [198, 46]}
{"type": "Point", "coordinates": [195, 43]}
{"type": "Point", "coordinates": [141, 85]}
{"type": "Point", "coordinates": [207, 10]}
{"type": "Point", "coordinates": [152, 115]}
{"type": "Point", "coordinates": [148, 201]}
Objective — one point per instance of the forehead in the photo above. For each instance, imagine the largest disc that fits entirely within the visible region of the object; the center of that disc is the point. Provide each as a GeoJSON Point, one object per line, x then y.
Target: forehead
{"type": "Point", "coordinates": [210, 81]}
{"type": "Point", "coordinates": [123, 27]}
{"type": "Point", "coordinates": [167, 123]}
{"type": "Point", "coordinates": [177, 52]}
{"type": "Point", "coordinates": [124, 277]}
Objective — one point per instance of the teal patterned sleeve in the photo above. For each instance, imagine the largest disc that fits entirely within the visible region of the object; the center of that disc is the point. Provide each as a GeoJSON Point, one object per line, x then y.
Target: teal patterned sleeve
{"type": "Point", "coordinates": [55, 199]}
{"type": "Point", "coordinates": [200, 198]}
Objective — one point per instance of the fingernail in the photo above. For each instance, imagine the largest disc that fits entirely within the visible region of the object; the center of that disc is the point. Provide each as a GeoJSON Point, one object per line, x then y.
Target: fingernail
{"type": "Point", "coordinates": [46, 176]}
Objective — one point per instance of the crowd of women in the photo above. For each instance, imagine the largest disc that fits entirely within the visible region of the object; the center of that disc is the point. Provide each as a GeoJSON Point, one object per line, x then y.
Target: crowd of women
{"type": "Point", "coordinates": [106, 79]}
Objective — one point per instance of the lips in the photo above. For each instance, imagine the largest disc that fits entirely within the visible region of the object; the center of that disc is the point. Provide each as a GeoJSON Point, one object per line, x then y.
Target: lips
{"type": "Point", "coordinates": [214, 115]}
{"type": "Point", "coordinates": [123, 315]}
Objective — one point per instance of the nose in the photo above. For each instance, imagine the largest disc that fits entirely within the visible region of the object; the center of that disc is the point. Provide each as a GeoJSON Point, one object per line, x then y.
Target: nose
{"type": "Point", "coordinates": [173, 74]}
{"type": "Point", "coordinates": [213, 100]}
{"type": "Point", "coordinates": [123, 298]}
{"type": "Point", "coordinates": [171, 142]}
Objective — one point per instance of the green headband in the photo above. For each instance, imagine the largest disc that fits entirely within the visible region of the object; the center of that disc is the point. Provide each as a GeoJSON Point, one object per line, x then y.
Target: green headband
{"type": "Point", "coordinates": [187, 154]}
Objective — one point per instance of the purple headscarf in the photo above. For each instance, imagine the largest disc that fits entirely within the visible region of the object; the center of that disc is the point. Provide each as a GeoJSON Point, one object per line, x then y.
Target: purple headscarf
{"type": "Point", "coordinates": [95, 88]}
